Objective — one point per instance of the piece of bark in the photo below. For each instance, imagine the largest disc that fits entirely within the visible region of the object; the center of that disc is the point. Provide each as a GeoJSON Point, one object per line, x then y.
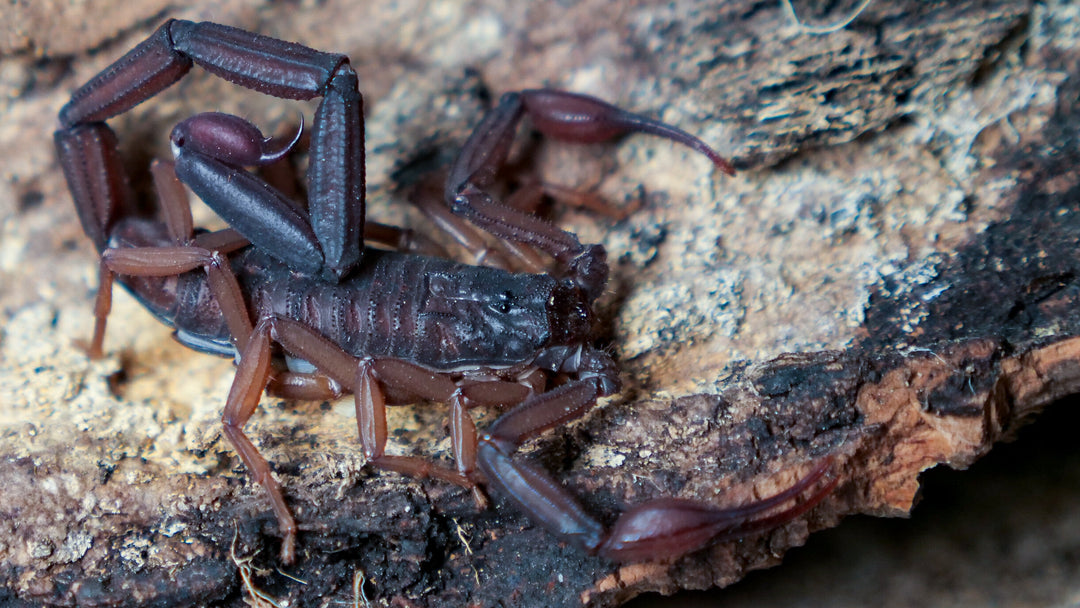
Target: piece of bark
{"type": "Point", "coordinates": [901, 297]}
{"type": "Point", "coordinates": [1002, 532]}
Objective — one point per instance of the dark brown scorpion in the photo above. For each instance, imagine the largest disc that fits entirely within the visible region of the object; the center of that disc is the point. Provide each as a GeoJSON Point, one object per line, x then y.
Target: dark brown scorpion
{"type": "Point", "coordinates": [293, 282]}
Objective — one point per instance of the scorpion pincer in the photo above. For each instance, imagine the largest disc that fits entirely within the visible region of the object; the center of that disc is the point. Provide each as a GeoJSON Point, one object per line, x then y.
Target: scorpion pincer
{"type": "Point", "coordinates": [295, 282]}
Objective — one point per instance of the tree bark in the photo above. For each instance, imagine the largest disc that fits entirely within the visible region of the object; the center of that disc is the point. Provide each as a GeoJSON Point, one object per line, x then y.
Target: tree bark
{"type": "Point", "coordinates": [891, 281]}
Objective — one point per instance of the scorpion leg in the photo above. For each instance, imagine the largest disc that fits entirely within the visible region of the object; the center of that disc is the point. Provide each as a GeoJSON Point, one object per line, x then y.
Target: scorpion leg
{"type": "Point", "coordinates": [176, 209]}
{"type": "Point", "coordinates": [417, 383]}
{"type": "Point", "coordinates": [174, 203]}
{"type": "Point", "coordinates": [251, 376]}
{"type": "Point", "coordinates": [425, 384]}
{"type": "Point", "coordinates": [99, 186]}
{"type": "Point", "coordinates": [366, 379]}
{"type": "Point", "coordinates": [658, 529]}
{"type": "Point", "coordinates": [253, 373]}
{"type": "Point", "coordinates": [463, 436]}
{"type": "Point", "coordinates": [296, 386]}
{"type": "Point", "coordinates": [362, 377]}
{"type": "Point", "coordinates": [427, 200]}
{"type": "Point", "coordinates": [207, 251]}
{"type": "Point", "coordinates": [582, 200]}
{"type": "Point", "coordinates": [170, 261]}
{"type": "Point", "coordinates": [167, 261]}
{"type": "Point", "coordinates": [402, 239]}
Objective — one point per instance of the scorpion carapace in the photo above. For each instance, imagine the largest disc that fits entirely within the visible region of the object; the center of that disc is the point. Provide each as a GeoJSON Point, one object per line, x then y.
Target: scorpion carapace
{"type": "Point", "coordinates": [290, 291]}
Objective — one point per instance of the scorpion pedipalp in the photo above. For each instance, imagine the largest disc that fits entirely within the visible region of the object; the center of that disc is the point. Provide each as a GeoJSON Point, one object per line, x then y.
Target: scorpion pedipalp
{"type": "Point", "coordinates": [586, 119]}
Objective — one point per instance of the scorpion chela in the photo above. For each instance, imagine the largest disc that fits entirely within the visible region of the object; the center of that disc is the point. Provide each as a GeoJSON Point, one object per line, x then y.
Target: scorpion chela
{"type": "Point", "coordinates": [308, 312]}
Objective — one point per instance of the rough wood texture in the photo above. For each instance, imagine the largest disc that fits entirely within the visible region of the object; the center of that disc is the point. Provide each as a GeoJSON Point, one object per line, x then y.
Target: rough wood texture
{"type": "Point", "coordinates": [892, 281]}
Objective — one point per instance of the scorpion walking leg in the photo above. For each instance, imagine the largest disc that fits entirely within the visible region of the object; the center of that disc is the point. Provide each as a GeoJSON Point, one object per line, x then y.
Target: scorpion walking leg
{"type": "Point", "coordinates": [251, 376]}
{"type": "Point", "coordinates": [176, 209]}
{"type": "Point", "coordinates": [191, 252]}
{"type": "Point", "coordinates": [296, 386]}
{"type": "Point", "coordinates": [418, 383]}
{"type": "Point", "coordinates": [425, 384]}
{"type": "Point", "coordinates": [363, 377]}
{"type": "Point", "coordinates": [359, 376]}
{"type": "Point", "coordinates": [427, 199]}
{"type": "Point", "coordinates": [99, 185]}
{"type": "Point", "coordinates": [173, 201]}
{"type": "Point", "coordinates": [170, 261]}
{"type": "Point", "coordinates": [402, 239]}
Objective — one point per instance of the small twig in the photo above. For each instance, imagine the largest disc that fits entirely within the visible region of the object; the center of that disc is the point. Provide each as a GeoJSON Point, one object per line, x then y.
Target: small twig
{"type": "Point", "coordinates": [461, 537]}
{"type": "Point", "coordinates": [824, 29]}
{"type": "Point", "coordinates": [287, 575]}
{"type": "Point", "coordinates": [256, 597]}
{"type": "Point", "coordinates": [359, 596]}
{"type": "Point", "coordinates": [468, 550]}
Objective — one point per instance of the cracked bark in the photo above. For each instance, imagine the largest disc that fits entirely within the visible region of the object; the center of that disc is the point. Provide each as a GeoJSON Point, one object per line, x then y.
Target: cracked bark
{"type": "Point", "coordinates": [892, 280]}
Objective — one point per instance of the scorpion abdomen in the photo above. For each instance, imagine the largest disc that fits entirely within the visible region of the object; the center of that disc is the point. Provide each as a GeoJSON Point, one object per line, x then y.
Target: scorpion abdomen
{"type": "Point", "coordinates": [431, 311]}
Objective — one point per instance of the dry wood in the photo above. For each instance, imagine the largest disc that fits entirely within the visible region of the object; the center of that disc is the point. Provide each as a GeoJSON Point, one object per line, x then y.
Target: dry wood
{"type": "Point", "coordinates": [892, 280]}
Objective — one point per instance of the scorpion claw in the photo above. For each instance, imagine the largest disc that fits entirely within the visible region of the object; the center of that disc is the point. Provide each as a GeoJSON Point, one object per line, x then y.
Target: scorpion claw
{"type": "Point", "coordinates": [671, 527]}
{"type": "Point", "coordinates": [586, 119]}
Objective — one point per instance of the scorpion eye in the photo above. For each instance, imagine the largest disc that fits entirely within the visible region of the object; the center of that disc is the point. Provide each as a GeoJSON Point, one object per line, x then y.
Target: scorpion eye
{"type": "Point", "coordinates": [503, 302]}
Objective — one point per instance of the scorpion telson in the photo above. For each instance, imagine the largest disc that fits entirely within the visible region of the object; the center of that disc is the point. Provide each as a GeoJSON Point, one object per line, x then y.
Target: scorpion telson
{"type": "Point", "coordinates": [310, 313]}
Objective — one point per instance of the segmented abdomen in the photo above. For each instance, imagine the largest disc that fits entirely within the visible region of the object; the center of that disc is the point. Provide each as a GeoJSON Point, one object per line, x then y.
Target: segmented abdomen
{"type": "Point", "coordinates": [431, 311]}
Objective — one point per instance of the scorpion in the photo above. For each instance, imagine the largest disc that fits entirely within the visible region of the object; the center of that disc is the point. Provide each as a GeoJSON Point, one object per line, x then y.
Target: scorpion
{"type": "Point", "coordinates": [308, 312]}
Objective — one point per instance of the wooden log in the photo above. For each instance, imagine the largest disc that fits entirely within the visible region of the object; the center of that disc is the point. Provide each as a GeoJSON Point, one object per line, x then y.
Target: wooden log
{"type": "Point", "coordinates": [892, 281]}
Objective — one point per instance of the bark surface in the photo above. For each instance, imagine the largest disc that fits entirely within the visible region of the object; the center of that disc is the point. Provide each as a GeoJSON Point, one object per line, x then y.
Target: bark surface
{"type": "Point", "coordinates": [891, 280]}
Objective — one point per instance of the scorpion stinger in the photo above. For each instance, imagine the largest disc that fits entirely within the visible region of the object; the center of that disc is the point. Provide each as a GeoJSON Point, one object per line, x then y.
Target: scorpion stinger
{"type": "Point", "coordinates": [333, 243]}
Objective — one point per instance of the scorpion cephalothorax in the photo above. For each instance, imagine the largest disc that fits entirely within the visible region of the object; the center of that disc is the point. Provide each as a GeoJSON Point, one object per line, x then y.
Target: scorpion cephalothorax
{"type": "Point", "coordinates": [294, 281]}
